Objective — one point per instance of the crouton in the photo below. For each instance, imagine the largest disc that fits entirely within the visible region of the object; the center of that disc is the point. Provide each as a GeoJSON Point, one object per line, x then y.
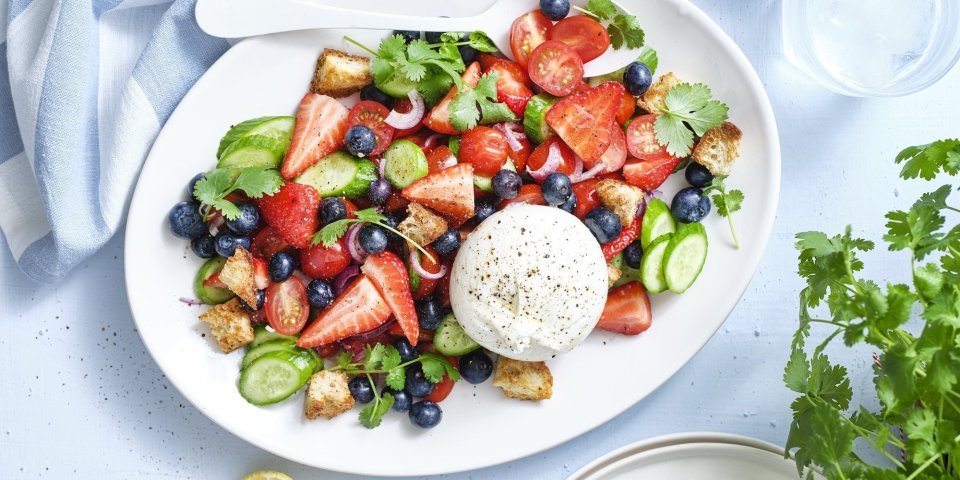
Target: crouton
{"type": "Point", "coordinates": [327, 395]}
{"type": "Point", "coordinates": [523, 380]}
{"type": "Point", "coordinates": [718, 149]}
{"type": "Point", "coordinates": [620, 197]}
{"type": "Point", "coordinates": [422, 225]}
{"type": "Point", "coordinates": [613, 274]}
{"type": "Point", "coordinates": [340, 74]}
{"type": "Point", "coordinates": [229, 324]}
{"type": "Point", "coordinates": [237, 275]}
{"type": "Point", "coordinates": [654, 96]}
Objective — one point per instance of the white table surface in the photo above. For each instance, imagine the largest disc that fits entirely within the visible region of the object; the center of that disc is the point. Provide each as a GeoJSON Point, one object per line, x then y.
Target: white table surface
{"type": "Point", "coordinates": [80, 398]}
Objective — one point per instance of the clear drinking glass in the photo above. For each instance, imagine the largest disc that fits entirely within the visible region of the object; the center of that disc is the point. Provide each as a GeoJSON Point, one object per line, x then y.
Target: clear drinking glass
{"type": "Point", "coordinates": [873, 48]}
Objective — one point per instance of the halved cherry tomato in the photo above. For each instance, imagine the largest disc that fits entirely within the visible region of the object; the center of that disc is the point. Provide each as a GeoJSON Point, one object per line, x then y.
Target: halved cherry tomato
{"type": "Point", "coordinates": [587, 198]}
{"type": "Point", "coordinates": [520, 157]}
{"type": "Point", "coordinates": [438, 158]}
{"type": "Point", "coordinates": [556, 68]}
{"type": "Point", "coordinates": [485, 149]}
{"type": "Point", "coordinates": [642, 140]}
{"type": "Point", "coordinates": [325, 262]}
{"type": "Point", "coordinates": [351, 208]}
{"type": "Point", "coordinates": [530, 193]}
{"type": "Point", "coordinates": [528, 32]}
{"type": "Point", "coordinates": [519, 72]}
{"type": "Point", "coordinates": [442, 389]}
{"type": "Point", "coordinates": [371, 114]}
{"type": "Point", "coordinates": [266, 243]}
{"type": "Point", "coordinates": [584, 35]}
{"type": "Point", "coordinates": [403, 105]}
{"type": "Point", "coordinates": [427, 285]}
{"type": "Point", "coordinates": [628, 105]}
{"type": "Point", "coordinates": [512, 80]}
{"type": "Point", "coordinates": [568, 162]}
{"type": "Point", "coordinates": [287, 307]}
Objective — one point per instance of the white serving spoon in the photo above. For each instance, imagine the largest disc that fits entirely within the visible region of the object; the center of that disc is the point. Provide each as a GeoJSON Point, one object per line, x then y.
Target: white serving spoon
{"type": "Point", "coordinates": [244, 18]}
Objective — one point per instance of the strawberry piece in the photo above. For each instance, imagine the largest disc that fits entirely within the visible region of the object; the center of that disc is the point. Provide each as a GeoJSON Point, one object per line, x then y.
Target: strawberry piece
{"type": "Point", "coordinates": [438, 119]}
{"type": "Point", "coordinates": [319, 130]}
{"type": "Point", "coordinates": [292, 213]}
{"type": "Point", "coordinates": [360, 308]}
{"type": "Point", "coordinates": [261, 274]}
{"type": "Point", "coordinates": [512, 82]}
{"type": "Point", "coordinates": [389, 275]}
{"type": "Point", "coordinates": [627, 236]}
{"type": "Point", "coordinates": [615, 155]}
{"type": "Point", "coordinates": [438, 157]}
{"type": "Point", "coordinates": [213, 281]}
{"type": "Point", "coordinates": [449, 192]}
{"type": "Point", "coordinates": [585, 120]}
{"type": "Point", "coordinates": [627, 311]}
{"type": "Point", "coordinates": [650, 174]}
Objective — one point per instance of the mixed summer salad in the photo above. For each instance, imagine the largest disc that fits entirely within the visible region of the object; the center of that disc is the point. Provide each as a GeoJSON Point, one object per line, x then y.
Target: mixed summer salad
{"type": "Point", "coordinates": [331, 236]}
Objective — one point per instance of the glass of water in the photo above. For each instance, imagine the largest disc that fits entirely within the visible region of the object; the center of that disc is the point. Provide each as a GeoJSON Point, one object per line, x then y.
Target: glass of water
{"type": "Point", "coordinates": [873, 48]}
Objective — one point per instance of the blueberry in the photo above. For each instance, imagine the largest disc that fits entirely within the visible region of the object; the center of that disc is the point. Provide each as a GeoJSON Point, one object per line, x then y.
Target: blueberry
{"type": "Point", "coordinates": [227, 243]}
{"type": "Point", "coordinates": [373, 239]}
{"type": "Point", "coordinates": [407, 351]}
{"type": "Point", "coordinates": [193, 184]}
{"type": "Point", "coordinates": [633, 254]}
{"type": "Point", "coordinates": [425, 414]}
{"type": "Point", "coordinates": [360, 389]}
{"type": "Point", "coordinates": [331, 210]}
{"type": "Point", "coordinates": [429, 313]}
{"type": "Point", "coordinates": [476, 366]}
{"type": "Point", "coordinates": [604, 224]}
{"type": "Point", "coordinates": [448, 242]}
{"type": "Point", "coordinates": [261, 297]}
{"type": "Point", "coordinates": [379, 191]}
{"type": "Point", "coordinates": [432, 37]}
{"type": "Point", "coordinates": [401, 399]}
{"type": "Point", "coordinates": [320, 294]}
{"type": "Point", "coordinates": [204, 246]}
{"type": "Point", "coordinates": [360, 140]}
{"type": "Point", "coordinates": [506, 184]}
{"type": "Point", "coordinates": [408, 35]}
{"type": "Point", "coordinates": [185, 220]}
{"type": "Point", "coordinates": [247, 222]}
{"type": "Point", "coordinates": [637, 78]}
{"type": "Point", "coordinates": [555, 10]}
{"type": "Point", "coordinates": [281, 266]}
{"type": "Point", "coordinates": [468, 54]}
{"type": "Point", "coordinates": [570, 205]}
{"type": "Point", "coordinates": [371, 92]}
{"type": "Point", "coordinates": [483, 208]}
{"type": "Point", "coordinates": [416, 383]}
{"type": "Point", "coordinates": [556, 188]}
{"type": "Point", "coordinates": [698, 175]}
{"type": "Point", "coordinates": [690, 205]}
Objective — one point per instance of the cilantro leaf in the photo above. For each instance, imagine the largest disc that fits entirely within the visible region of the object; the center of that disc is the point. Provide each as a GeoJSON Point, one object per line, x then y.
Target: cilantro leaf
{"type": "Point", "coordinates": [926, 161]}
{"type": "Point", "coordinates": [373, 357]}
{"type": "Point", "coordinates": [604, 9]}
{"type": "Point", "coordinates": [796, 372]}
{"type": "Point", "coordinates": [331, 232]}
{"type": "Point", "coordinates": [431, 69]}
{"type": "Point", "coordinates": [623, 29]}
{"type": "Point", "coordinates": [435, 366]}
{"type": "Point", "coordinates": [688, 109]}
{"type": "Point", "coordinates": [727, 203]}
{"type": "Point", "coordinates": [372, 414]}
{"type": "Point", "coordinates": [396, 378]}
{"type": "Point", "coordinates": [479, 105]}
{"type": "Point", "coordinates": [255, 182]}
{"type": "Point", "coordinates": [481, 42]}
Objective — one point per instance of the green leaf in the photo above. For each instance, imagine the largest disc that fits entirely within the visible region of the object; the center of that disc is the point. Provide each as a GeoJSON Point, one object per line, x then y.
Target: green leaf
{"type": "Point", "coordinates": [435, 366]}
{"type": "Point", "coordinates": [929, 280]}
{"type": "Point", "coordinates": [255, 182]}
{"type": "Point", "coordinates": [797, 371]}
{"type": "Point", "coordinates": [919, 428]}
{"type": "Point", "coordinates": [344, 360]}
{"type": "Point", "coordinates": [625, 30]}
{"type": "Point", "coordinates": [479, 105]}
{"type": "Point", "coordinates": [372, 414]}
{"type": "Point", "coordinates": [944, 309]}
{"type": "Point", "coordinates": [481, 42]}
{"type": "Point", "coordinates": [396, 378]}
{"type": "Point", "coordinates": [829, 382]}
{"type": "Point", "coordinates": [331, 232]}
{"type": "Point", "coordinates": [926, 161]}
{"type": "Point", "coordinates": [391, 357]}
{"type": "Point", "coordinates": [688, 109]}
{"type": "Point", "coordinates": [373, 357]}
{"type": "Point", "coordinates": [604, 9]}
{"type": "Point", "coordinates": [831, 437]}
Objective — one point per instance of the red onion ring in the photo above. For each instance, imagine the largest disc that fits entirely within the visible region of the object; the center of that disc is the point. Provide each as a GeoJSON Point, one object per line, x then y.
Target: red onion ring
{"type": "Point", "coordinates": [191, 301]}
{"type": "Point", "coordinates": [353, 246]}
{"type": "Point", "coordinates": [215, 223]}
{"type": "Point", "coordinates": [376, 332]}
{"type": "Point", "coordinates": [410, 119]}
{"type": "Point", "coordinates": [655, 193]}
{"type": "Point", "coordinates": [382, 166]}
{"type": "Point", "coordinates": [512, 137]}
{"type": "Point", "coordinates": [342, 278]}
{"type": "Point", "coordinates": [304, 279]}
{"type": "Point", "coordinates": [432, 140]}
{"type": "Point", "coordinates": [415, 261]}
{"type": "Point", "coordinates": [642, 208]}
{"type": "Point", "coordinates": [549, 166]}
{"type": "Point", "coordinates": [593, 172]}
{"type": "Point", "coordinates": [577, 170]}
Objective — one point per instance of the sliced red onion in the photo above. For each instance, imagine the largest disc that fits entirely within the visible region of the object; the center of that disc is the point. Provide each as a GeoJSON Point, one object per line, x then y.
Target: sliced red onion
{"type": "Point", "coordinates": [304, 279]}
{"type": "Point", "coordinates": [382, 166]}
{"type": "Point", "coordinates": [432, 140]}
{"type": "Point", "coordinates": [411, 118]}
{"type": "Point", "coordinates": [577, 170]}
{"type": "Point", "coordinates": [549, 166]}
{"type": "Point", "coordinates": [353, 246]}
{"type": "Point", "coordinates": [642, 208]}
{"type": "Point", "coordinates": [449, 162]}
{"type": "Point", "coordinates": [415, 261]}
{"type": "Point", "coordinates": [655, 193]}
{"type": "Point", "coordinates": [215, 223]}
{"type": "Point", "coordinates": [512, 139]}
{"type": "Point", "coordinates": [376, 332]}
{"type": "Point", "coordinates": [344, 277]}
{"type": "Point", "coordinates": [593, 172]}
{"type": "Point", "coordinates": [191, 301]}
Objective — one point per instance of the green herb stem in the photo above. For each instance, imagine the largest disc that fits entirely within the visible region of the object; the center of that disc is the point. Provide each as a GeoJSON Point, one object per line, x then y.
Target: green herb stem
{"type": "Point", "coordinates": [733, 231]}
{"type": "Point", "coordinates": [362, 46]}
{"type": "Point", "coordinates": [923, 467]}
{"type": "Point", "coordinates": [585, 12]}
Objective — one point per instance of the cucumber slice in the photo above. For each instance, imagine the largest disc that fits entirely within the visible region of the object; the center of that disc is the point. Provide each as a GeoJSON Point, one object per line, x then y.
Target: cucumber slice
{"type": "Point", "coordinates": [263, 334]}
{"type": "Point", "coordinates": [651, 271]}
{"type": "Point", "coordinates": [340, 175]}
{"type": "Point", "coordinates": [535, 117]}
{"type": "Point", "coordinates": [277, 128]}
{"type": "Point", "coordinates": [486, 183]}
{"type": "Point", "coordinates": [657, 221]}
{"type": "Point", "coordinates": [275, 376]}
{"type": "Point", "coordinates": [267, 347]}
{"type": "Point", "coordinates": [210, 295]}
{"type": "Point", "coordinates": [254, 151]}
{"type": "Point", "coordinates": [454, 145]}
{"type": "Point", "coordinates": [647, 55]}
{"type": "Point", "coordinates": [684, 257]}
{"type": "Point", "coordinates": [617, 261]}
{"type": "Point", "coordinates": [415, 278]}
{"type": "Point", "coordinates": [406, 163]}
{"type": "Point", "coordinates": [450, 339]}
{"type": "Point", "coordinates": [397, 86]}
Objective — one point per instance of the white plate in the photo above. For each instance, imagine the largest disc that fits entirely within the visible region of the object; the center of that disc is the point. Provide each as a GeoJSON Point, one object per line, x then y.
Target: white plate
{"type": "Point", "coordinates": [609, 373]}
{"type": "Point", "coordinates": [697, 455]}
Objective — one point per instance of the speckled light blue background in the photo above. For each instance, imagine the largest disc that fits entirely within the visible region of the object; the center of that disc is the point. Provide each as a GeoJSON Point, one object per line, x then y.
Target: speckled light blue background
{"type": "Point", "coordinates": [80, 398]}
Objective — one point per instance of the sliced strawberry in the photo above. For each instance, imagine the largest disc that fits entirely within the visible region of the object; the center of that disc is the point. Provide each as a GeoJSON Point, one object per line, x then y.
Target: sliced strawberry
{"type": "Point", "coordinates": [627, 236]}
{"type": "Point", "coordinates": [649, 174]}
{"type": "Point", "coordinates": [616, 154]}
{"type": "Point", "coordinates": [628, 105]}
{"type": "Point", "coordinates": [584, 120]}
{"type": "Point", "coordinates": [438, 119]}
{"type": "Point", "coordinates": [512, 80]}
{"type": "Point", "coordinates": [389, 274]}
{"type": "Point", "coordinates": [213, 281]}
{"type": "Point", "coordinates": [360, 308]}
{"type": "Point", "coordinates": [627, 311]}
{"type": "Point", "coordinates": [319, 130]}
{"type": "Point", "coordinates": [449, 192]}
{"type": "Point", "coordinates": [261, 274]}
{"type": "Point", "coordinates": [438, 158]}
{"type": "Point", "coordinates": [292, 213]}
{"type": "Point", "coordinates": [587, 197]}
{"type": "Point", "coordinates": [266, 243]}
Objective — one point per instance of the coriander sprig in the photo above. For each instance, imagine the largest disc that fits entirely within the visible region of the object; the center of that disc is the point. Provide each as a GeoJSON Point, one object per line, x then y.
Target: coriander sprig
{"type": "Point", "coordinates": [624, 29]}
{"type": "Point", "coordinates": [727, 202]}
{"type": "Point", "coordinates": [479, 105]}
{"type": "Point", "coordinates": [331, 232]}
{"type": "Point", "coordinates": [687, 109]}
{"type": "Point", "coordinates": [255, 182]}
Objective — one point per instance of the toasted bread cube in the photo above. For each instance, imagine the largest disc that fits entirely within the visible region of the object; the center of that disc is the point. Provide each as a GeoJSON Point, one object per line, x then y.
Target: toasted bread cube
{"type": "Point", "coordinates": [654, 96]}
{"type": "Point", "coordinates": [340, 74]}
{"type": "Point", "coordinates": [422, 225]}
{"type": "Point", "coordinates": [719, 149]}
{"type": "Point", "coordinates": [229, 324]}
{"type": "Point", "coordinates": [620, 197]}
{"type": "Point", "coordinates": [327, 395]}
{"type": "Point", "coordinates": [613, 274]}
{"type": "Point", "coordinates": [523, 380]}
{"type": "Point", "coordinates": [237, 274]}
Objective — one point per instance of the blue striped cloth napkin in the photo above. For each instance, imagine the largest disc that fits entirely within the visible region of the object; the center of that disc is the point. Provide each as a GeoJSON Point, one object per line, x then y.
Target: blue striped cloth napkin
{"type": "Point", "coordinates": [85, 86]}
